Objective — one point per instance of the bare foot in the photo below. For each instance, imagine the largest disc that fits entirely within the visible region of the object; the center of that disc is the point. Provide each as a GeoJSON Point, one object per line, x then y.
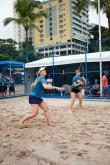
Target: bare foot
{"type": "Point", "coordinates": [80, 107]}
{"type": "Point", "coordinates": [70, 111]}
{"type": "Point", "coordinates": [20, 123]}
{"type": "Point", "coordinates": [51, 122]}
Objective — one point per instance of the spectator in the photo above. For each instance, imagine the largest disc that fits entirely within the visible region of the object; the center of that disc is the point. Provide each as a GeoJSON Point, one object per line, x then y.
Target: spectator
{"type": "Point", "coordinates": [88, 87]}
{"type": "Point", "coordinates": [5, 80]}
{"type": "Point", "coordinates": [11, 85]}
{"type": "Point", "coordinates": [95, 88]}
{"type": "Point", "coordinates": [105, 84]}
{"type": "Point", "coordinates": [1, 86]}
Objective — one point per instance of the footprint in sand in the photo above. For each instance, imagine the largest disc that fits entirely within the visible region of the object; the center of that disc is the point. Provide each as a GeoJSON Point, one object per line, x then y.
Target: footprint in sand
{"type": "Point", "coordinates": [82, 153]}
{"type": "Point", "coordinates": [63, 147]}
{"type": "Point", "coordinates": [23, 154]}
{"type": "Point", "coordinates": [7, 135]}
{"type": "Point", "coordinates": [64, 154]}
{"type": "Point", "coordinates": [1, 161]}
{"type": "Point", "coordinates": [74, 140]}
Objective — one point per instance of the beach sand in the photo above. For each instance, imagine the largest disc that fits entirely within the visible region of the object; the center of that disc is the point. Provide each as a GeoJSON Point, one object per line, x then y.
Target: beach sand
{"type": "Point", "coordinates": [80, 138]}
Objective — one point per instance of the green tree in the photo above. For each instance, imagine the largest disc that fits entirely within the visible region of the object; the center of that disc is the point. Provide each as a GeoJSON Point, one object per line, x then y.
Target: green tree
{"type": "Point", "coordinates": [104, 5]}
{"type": "Point", "coordinates": [94, 45]}
{"type": "Point", "coordinates": [4, 57]}
{"type": "Point", "coordinates": [26, 15]}
{"type": "Point", "coordinates": [7, 49]}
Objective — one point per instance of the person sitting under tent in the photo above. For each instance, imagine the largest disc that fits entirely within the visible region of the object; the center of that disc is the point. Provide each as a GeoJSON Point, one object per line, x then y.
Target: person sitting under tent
{"type": "Point", "coordinates": [1, 86]}
{"type": "Point", "coordinates": [95, 91]}
{"type": "Point", "coordinates": [5, 80]}
{"type": "Point", "coordinates": [88, 87]}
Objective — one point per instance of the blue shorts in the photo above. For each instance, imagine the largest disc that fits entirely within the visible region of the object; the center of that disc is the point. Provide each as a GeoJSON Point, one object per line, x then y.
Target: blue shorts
{"type": "Point", "coordinates": [105, 90]}
{"type": "Point", "coordinates": [35, 100]}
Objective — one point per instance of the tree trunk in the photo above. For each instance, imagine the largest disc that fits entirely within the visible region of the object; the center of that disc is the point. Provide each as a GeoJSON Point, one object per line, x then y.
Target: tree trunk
{"type": "Point", "coordinates": [109, 23]}
{"type": "Point", "coordinates": [26, 30]}
{"type": "Point", "coordinates": [108, 17]}
{"type": "Point", "coordinates": [26, 40]}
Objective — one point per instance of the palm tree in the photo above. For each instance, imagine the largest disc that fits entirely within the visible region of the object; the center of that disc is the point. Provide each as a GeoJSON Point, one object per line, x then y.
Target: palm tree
{"type": "Point", "coordinates": [26, 15]}
{"type": "Point", "coordinates": [104, 5]}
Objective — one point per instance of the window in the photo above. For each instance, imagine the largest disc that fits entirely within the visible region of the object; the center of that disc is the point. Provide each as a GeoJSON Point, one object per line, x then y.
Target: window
{"type": "Point", "coordinates": [51, 34]}
{"type": "Point", "coordinates": [62, 53]}
{"type": "Point", "coordinates": [41, 50]}
{"type": "Point", "coordinates": [61, 26]}
{"type": "Point", "coordinates": [63, 46]}
{"type": "Point", "coordinates": [41, 26]}
{"type": "Point", "coordinates": [68, 40]}
{"type": "Point", "coordinates": [61, 32]}
{"type": "Point", "coordinates": [69, 52]}
{"type": "Point", "coordinates": [61, 16]}
{"type": "Point", "coordinates": [69, 46]}
{"type": "Point", "coordinates": [50, 28]}
{"type": "Point", "coordinates": [50, 48]}
{"type": "Point", "coordinates": [60, 21]}
{"type": "Point", "coordinates": [41, 21]}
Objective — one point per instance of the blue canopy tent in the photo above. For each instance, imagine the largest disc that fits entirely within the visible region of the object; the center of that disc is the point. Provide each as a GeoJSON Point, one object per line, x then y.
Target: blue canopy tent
{"type": "Point", "coordinates": [7, 66]}
{"type": "Point", "coordinates": [14, 63]}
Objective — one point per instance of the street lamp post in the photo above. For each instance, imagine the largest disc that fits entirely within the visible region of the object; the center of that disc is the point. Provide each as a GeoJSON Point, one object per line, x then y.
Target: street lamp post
{"type": "Point", "coordinates": [53, 65]}
{"type": "Point", "coordinates": [10, 68]}
{"type": "Point", "coordinates": [86, 66]}
{"type": "Point", "coordinates": [100, 48]}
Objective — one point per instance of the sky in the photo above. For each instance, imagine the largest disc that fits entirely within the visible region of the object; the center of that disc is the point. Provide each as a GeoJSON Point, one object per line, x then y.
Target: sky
{"type": "Point", "coordinates": [6, 10]}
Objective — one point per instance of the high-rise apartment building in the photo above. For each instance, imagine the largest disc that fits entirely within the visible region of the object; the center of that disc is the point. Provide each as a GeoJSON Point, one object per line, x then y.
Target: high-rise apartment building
{"type": "Point", "coordinates": [63, 32]}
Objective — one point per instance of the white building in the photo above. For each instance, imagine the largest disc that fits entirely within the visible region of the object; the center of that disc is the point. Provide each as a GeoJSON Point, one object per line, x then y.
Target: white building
{"type": "Point", "coordinates": [18, 30]}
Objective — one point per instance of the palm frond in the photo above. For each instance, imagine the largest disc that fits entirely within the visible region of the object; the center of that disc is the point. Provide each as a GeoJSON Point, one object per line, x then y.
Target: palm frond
{"type": "Point", "coordinates": [25, 14]}
{"type": "Point", "coordinates": [10, 19]}
{"type": "Point", "coordinates": [82, 4]}
{"type": "Point", "coordinates": [32, 25]}
{"type": "Point", "coordinates": [41, 14]}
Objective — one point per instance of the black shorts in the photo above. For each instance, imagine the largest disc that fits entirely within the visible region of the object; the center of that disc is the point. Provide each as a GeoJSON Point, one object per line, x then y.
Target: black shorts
{"type": "Point", "coordinates": [35, 100]}
{"type": "Point", "coordinates": [75, 90]}
{"type": "Point", "coordinates": [1, 89]}
{"type": "Point", "coordinates": [5, 88]}
{"type": "Point", "coordinates": [12, 89]}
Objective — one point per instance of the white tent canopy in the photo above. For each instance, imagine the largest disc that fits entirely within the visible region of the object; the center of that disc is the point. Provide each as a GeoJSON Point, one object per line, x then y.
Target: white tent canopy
{"type": "Point", "coordinates": [71, 59]}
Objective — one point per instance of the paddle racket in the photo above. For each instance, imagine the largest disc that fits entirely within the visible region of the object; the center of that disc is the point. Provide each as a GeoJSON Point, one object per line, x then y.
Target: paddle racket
{"type": "Point", "coordinates": [66, 89]}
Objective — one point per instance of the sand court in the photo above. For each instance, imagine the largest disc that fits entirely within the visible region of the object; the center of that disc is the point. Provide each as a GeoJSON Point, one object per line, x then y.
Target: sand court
{"type": "Point", "coordinates": [80, 138]}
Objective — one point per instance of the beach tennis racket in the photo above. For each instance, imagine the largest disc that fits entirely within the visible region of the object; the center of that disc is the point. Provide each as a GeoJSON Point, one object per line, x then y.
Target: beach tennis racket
{"type": "Point", "coordinates": [84, 80]}
{"type": "Point", "coordinates": [66, 89]}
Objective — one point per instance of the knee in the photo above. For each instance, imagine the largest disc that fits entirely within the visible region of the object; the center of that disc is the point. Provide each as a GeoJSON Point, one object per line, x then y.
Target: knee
{"type": "Point", "coordinates": [72, 100]}
{"type": "Point", "coordinates": [80, 99]}
{"type": "Point", "coordinates": [46, 110]}
{"type": "Point", "coordinates": [34, 114]}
